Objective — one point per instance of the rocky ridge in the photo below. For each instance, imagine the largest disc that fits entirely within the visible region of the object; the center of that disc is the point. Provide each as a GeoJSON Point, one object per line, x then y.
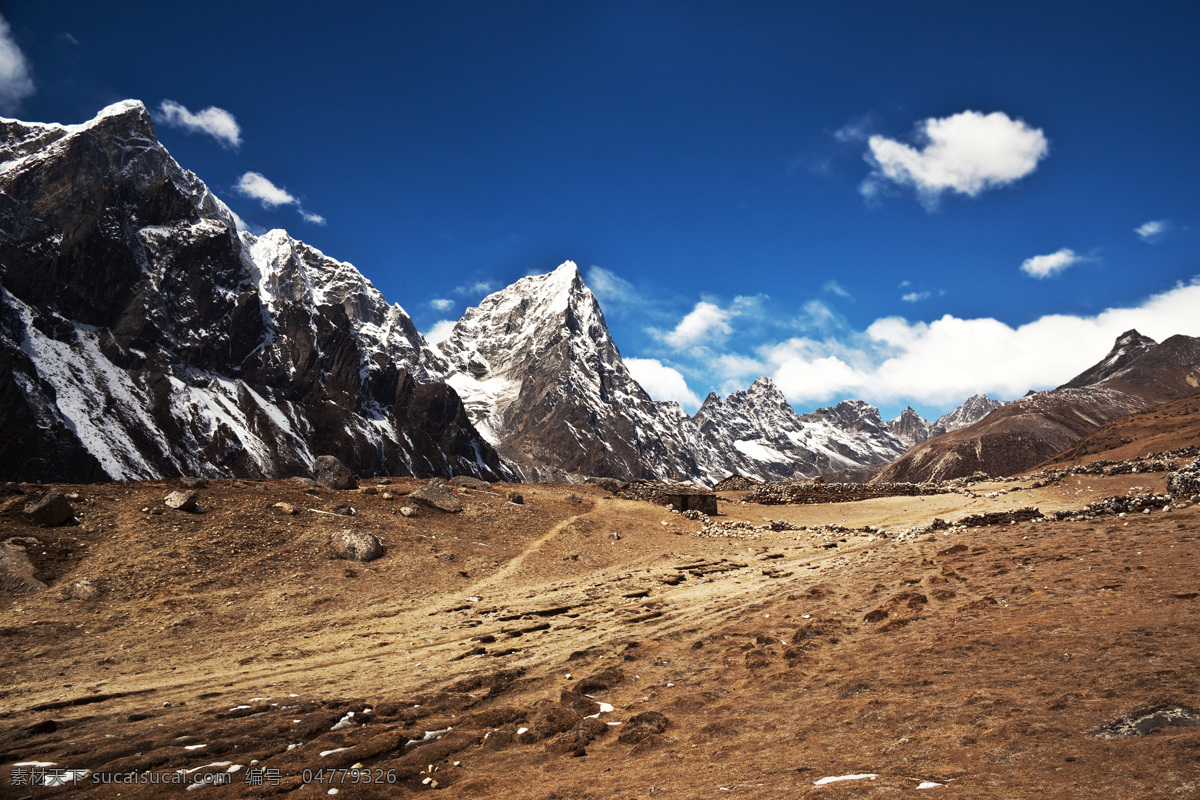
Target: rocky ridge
{"type": "Point", "coordinates": [147, 337]}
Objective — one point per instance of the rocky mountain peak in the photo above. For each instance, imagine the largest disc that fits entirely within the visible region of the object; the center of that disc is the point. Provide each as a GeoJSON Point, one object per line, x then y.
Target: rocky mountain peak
{"type": "Point", "coordinates": [1128, 347]}
{"type": "Point", "coordinates": [910, 427]}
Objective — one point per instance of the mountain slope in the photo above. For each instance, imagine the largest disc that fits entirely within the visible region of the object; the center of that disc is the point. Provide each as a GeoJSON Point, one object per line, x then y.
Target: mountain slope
{"type": "Point", "coordinates": [146, 337]}
{"type": "Point", "coordinates": [1132, 377]}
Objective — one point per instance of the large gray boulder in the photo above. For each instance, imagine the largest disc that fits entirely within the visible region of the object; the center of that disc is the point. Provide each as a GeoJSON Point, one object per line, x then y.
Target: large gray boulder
{"type": "Point", "coordinates": [50, 510]}
{"type": "Point", "coordinates": [355, 545]}
{"type": "Point", "coordinates": [331, 473]}
{"type": "Point", "coordinates": [437, 494]}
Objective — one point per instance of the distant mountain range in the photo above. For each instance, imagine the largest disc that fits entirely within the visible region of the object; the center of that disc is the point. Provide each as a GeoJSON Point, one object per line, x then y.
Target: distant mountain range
{"type": "Point", "coordinates": [147, 336]}
{"type": "Point", "coordinates": [1137, 374]}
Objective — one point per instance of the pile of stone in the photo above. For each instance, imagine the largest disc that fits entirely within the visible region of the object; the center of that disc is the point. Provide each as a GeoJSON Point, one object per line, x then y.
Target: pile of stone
{"type": "Point", "coordinates": [806, 493]}
{"type": "Point", "coordinates": [736, 483]}
{"type": "Point", "coordinates": [1185, 482]}
{"type": "Point", "coordinates": [1135, 501]}
{"type": "Point", "coordinates": [656, 492]}
{"type": "Point", "coordinates": [996, 518]}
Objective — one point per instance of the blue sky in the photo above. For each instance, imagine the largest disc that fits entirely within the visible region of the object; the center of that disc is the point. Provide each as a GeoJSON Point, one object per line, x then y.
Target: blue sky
{"type": "Point", "coordinates": [901, 202]}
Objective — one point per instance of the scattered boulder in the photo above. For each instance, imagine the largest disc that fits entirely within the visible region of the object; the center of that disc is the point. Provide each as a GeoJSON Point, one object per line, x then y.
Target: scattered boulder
{"type": "Point", "coordinates": [16, 570]}
{"type": "Point", "coordinates": [470, 482]}
{"type": "Point", "coordinates": [182, 501]}
{"type": "Point", "coordinates": [642, 726]}
{"type": "Point", "coordinates": [408, 511]}
{"type": "Point", "coordinates": [303, 481]}
{"type": "Point", "coordinates": [287, 509]}
{"type": "Point", "coordinates": [193, 483]}
{"type": "Point", "coordinates": [610, 485]}
{"type": "Point", "coordinates": [1146, 720]}
{"type": "Point", "coordinates": [355, 545]}
{"type": "Point", "coordinates": [516, 499]}
{"type": "Point", "coordinates": [436, 494]}
{"type": "Point", "coordinates": [369, 490]}
{"type": "Point", "coordinates": [331, 473]}
{"type": "Point", "coordinates": [50, 510]}
{"type": "Point", "coordinates": [84, 590]}
{"type": "Point", "coordinates": [344, 509]}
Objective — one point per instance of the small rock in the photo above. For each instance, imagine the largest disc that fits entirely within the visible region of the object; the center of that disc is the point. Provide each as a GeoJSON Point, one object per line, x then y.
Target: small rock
{"type": "Point", "coordinates": [303, 481]}
{"type": "Point", "coordinates": [355, 545]}
{"type": "Point", "coordinates": [181, 501]}
{"type": "Point", "coordinates": [387, 496]}
{"type": "Point", "coordinates": [516, 499]}
{"type": "Point", "coordinates": [331, 473]}
{"type": "Point", "coordinates": [193, 483]}
{"type": "Point", "coordinates": [369, 490]}
{"type": "Point", "coordinates": [408, 511]}
{"type": "Point", "coordinates": [51, 510]}
{"type": "Point", "coordinates": [284, 508]}
{"type": "Point", "coordinates": [83, 590]}
{"type": "Point", "coordinates": [614, 535]}
{"type": "Point", "coordinates": [344, 509]}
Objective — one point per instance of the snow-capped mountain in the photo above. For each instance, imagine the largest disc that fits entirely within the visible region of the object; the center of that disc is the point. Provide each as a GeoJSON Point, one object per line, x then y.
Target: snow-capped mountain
{"type": "Point", "coordinates": [973, 409]}
{"type": "Point", "coordinates": [756, 433]}
{"type": "Point", "coordinates": [543, 381]}
{"type": "Point", "coordinates": [145, 337]}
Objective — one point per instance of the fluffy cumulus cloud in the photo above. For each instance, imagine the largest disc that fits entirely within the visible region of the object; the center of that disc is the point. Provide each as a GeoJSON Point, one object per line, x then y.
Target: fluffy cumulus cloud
{"type": "Point", "coordinates": [16, 80]}
{"type": "Point", "coordinates": [258, 187]}
{"type": "Point", "coordinates": [1052, 264]}
{"type": "Point", "coordinates": [212, 121]}
{"type": "Point", "coordinates": [662, 382]}
{"type": "Point", "coordinates": [946, 360]}
{"type": "Point", "coordinates": [966, 153]}
{"type": "Point", "coordinates": [440, 331]}
{"type": "Point", "coordinates": [705, 323]}
{"type": "Point", "coordinates": [1153, 231]}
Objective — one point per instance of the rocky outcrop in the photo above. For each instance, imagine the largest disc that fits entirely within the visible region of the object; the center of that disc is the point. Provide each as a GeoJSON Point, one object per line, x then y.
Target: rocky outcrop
{"type": "Point", "coordinates": [146, 337]}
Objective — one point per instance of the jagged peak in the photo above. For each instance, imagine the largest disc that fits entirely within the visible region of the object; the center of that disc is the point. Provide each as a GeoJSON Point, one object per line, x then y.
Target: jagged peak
{"type": "Point", "coordinates": [1132, 336]}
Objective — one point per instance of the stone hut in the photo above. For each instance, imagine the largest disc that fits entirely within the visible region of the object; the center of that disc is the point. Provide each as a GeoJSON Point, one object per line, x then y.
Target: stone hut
{"type": "Point", "coordinates": [683, 500]}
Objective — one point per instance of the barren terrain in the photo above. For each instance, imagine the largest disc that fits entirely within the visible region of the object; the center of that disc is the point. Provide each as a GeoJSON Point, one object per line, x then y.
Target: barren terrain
{"type": "Point", "coordinates": [583, 646]}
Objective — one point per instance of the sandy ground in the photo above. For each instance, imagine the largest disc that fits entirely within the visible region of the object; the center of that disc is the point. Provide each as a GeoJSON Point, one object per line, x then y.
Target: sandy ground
{"type": "Point", "coordinates": [753, 664]}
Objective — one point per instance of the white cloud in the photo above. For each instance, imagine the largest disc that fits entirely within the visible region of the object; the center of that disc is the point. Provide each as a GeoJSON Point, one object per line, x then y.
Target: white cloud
{"type": "Point", "coordinates": [1153, 231]}
{"type": "Point", "coordinates": [944, 361]}
{"type": "Point", "coordinates": [833, 287]}
{"type": "Point", "coordinates": [16, 82]}
{"type": "Point", "coordinates": [440, 331]}
{"type": "Point", "coordinates": [215, 122]}
{"type": "Point", "coordinates": [252, 184]}
{"type": "Point", "coordinates": [662, 382]}
{"type": "Point", "coordinates": [1051, 264]}
{"type": "Point", "coordinates": [477, 288]}
{"type": "Point", "coordinates": [257, 186]}
{"type": "Point", "coordinates": [966, 153]}
{"type": "Point", "coordinates": [706, 322]}
{"type": "Point", "coordinates": [611, 287]}
{"type": "Point", "coordinates": [442, 303]}
{"type": "Point", "coordinates": [915, 297]}
{"type": "Point", "coordinates": [856, 130]}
